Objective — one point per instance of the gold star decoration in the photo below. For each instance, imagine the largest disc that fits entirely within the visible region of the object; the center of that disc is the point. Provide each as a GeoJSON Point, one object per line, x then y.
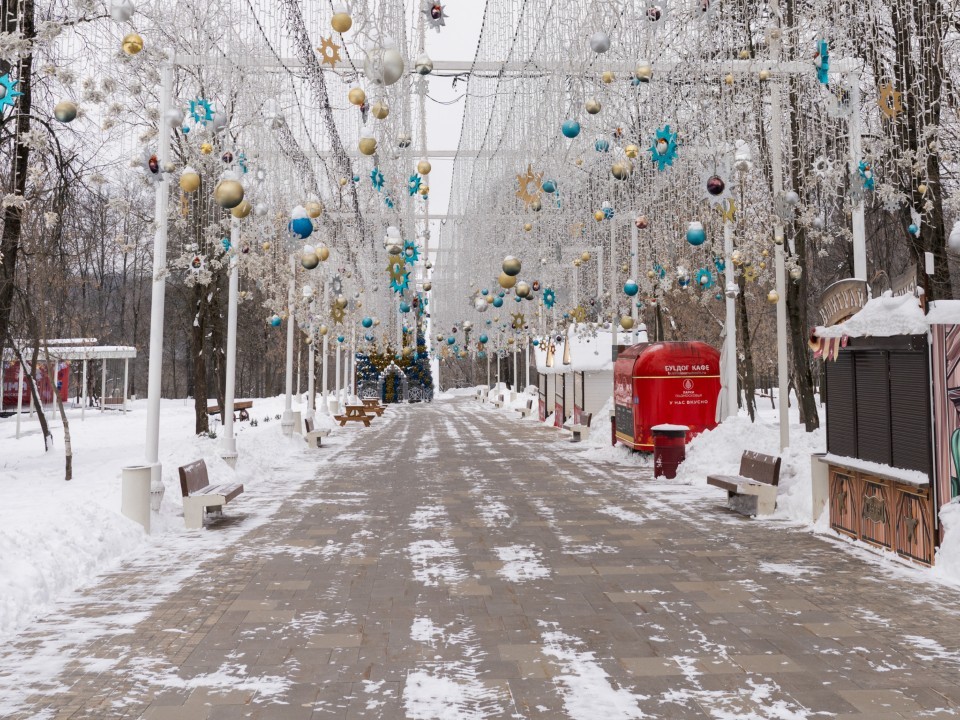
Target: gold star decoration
{"type": "Point", "coordinates": [329, 51]}
{"type": "Point", "coordinates": [890, 104]}
{"type": "Point", "coordinates": [337, 314]}
{"type": "Point", "coordinates": [579, 313]}
{"type": "Point", "coordinates": [524, 180]}
{"type": "Point", "coordinates": [395, 268]}
{"type": "Point", "coordinates": [728, 209]}
{"type": "Point", "coordinates": [576, 230]}
{"type": "Point", "coordinates": [518, 321]}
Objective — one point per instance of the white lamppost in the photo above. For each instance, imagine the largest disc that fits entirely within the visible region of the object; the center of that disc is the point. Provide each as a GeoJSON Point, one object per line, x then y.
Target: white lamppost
{"type": "Point", "coordinates": [286, 421]}
{"type": "Point", "coordinates": [307, 292]}
{"type": "Point", "coordinates": [228, 443]}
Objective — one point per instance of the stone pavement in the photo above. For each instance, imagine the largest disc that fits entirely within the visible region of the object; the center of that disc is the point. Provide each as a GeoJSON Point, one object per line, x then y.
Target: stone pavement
{"type": "Point", "coordinates": [462, 564]}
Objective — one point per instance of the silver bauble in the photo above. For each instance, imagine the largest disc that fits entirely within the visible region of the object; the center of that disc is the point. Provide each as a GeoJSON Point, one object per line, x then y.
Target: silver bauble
{"type": "Point", "coordinates": [424, 65]}
{"type": "Point", "coordinates": [383, 66]}
{"type": "Point", "coordinates": [600, 42]}
{"type": "Point", "coordinates": [121, 10]}
{"type": "Point", "coordinates": [511, 266]}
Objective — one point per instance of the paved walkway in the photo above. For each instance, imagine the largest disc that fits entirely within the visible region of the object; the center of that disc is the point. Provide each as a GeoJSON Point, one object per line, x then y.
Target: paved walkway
{"type": "Point", "coordinates": [461, 564]}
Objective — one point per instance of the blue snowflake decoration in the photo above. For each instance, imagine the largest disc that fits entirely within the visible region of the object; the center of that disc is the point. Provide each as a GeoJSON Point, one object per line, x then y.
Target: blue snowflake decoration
{"type": "Point", "coordinates": [704, 279]}
{"type": "Point", "coordinates": [201, 111]}
{"type": "Point", "coordinates": [388, 202]}
{"type": "Point", "coordinates": [400, 283]}
{"type": "Point", "coordinates": [376, 179]}
{"type": "Point", "coordinates": [663, 151]}
{"type": "Point", "coordinates": [10, 93]}
{"type": "Point", "coordinates": [413, 184]}
{"type": "Point", "coordinates": [549, 298]}
{"type": "Point", "coordinates": [865, 172]}
{"type": "Point", "coordinates": [411, 253]}
{"type": "Point", "coordinates": [242, 162]}
{"type": "Point", "coordinates": [720, 264]}
{"type": "Point", "coordinates": [658, 269]}
{"type": "Point", "coordinates": [823, 63]}
{"type": "Point", "coordinates": [608, 213]}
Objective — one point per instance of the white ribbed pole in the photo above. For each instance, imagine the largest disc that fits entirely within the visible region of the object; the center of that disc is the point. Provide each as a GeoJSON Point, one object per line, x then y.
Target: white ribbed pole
{"type": "Point", "coordinates": [286, 421]}
{"type": "Point", "coordinates": [730, 325]}
{"type": "Point", "coordinates": [856, 151]}
{"type": "Point", "coordinates": [228, 443]}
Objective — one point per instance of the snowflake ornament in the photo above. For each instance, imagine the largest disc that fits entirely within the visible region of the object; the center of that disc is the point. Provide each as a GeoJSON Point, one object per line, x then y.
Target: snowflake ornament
{"type": "Point", "coordinates": [435, 14]}
{"type": "Point", "coordinates": [663, 151]}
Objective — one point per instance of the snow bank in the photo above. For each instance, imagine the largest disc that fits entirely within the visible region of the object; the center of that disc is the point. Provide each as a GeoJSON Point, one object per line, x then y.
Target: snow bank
{"type": "Point", "coordinates": [948, 555]}
{"type": "Point", "coordinates": [56, 536]}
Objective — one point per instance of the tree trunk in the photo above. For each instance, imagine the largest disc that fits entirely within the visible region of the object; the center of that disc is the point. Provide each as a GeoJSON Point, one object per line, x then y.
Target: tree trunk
{"type": "Point", "coordinates": [202, 424]}
{"type": "Point", "coordinates": [749, 379]}
{"type": "Point", "coordinates": [67, 445]}
{"type": "Point", "coordinates": [15, 15]}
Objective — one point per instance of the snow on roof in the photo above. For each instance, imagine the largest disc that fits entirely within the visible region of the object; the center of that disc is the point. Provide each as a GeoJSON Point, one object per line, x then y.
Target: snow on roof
{"type": "Point", "coordinates": [587, 354]}
{"type": "Point", "coordinates": [944, 312]}
{"type": "Point", "coordinates": [883, 316]}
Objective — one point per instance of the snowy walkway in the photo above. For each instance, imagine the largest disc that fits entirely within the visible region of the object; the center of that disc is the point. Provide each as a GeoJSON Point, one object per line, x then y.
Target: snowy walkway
{"type": "Point", "coordinates": [462, 565]}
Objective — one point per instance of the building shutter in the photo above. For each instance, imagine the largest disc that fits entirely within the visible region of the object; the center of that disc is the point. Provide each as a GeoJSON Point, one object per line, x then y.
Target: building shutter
{"type": "Point", "coordinates": [910, 411]}
{"type": "Point", "coordinates": [873, 406]}
{"type": "Point", "coordinates": [842, 406]}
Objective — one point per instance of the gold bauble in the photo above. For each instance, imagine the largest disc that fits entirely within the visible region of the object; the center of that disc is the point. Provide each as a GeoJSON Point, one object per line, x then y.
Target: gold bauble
{"type": "Point", "coordinates": [764, 75]}
{"type": "Point", "coordinates": [228, 194]}
{"type": "Point", "coordinates": [773, 297]}
{"type": "Point", "coordinates": [585, 256]}
{"type": "Point", "coordinates": [650, 274]}
{"type": "Point", "coordinates": [592, 106]}
{"type": "Point", "coordinates": [763, 265]}
{"type": "Point", "coordinates": [190, 182]}
{"type": "Point", "coordinates": [368, 146]}
{"type": "Point", "coordinates": [744, 54]}
{"type": "Point", "coordinates": [424, 167]}
{"type": "Point", "coordinates": [65, 111]}
{"type": "Point", "coordinates": [624, 268]}
{"type": "Point", "coordinates": [407, 352]}
{"type": "Point", "coordinates": [527, 227]}
{"type": "Point", "coordinates": [424, 190]}
{"type": "Point", "coordinates": [578, 162]}
{"type": "Point", "coordinates": [626, 322]}
{"type": "Point", "coordinates": [620, 170]}
{"type": "Point", "coordinates": [266, 247]}
{"type": "Point", "coordinates": [489, 299]}
{"type": "Point", "coordinates": [357, 96]}
{"type": "Point", "coordinates": [523, 289]}
{"type": "Point", "coordinates": [728, 79]}
{"type": "Point", "coordinates": [380, 110]}
{"type": "Point", "coordinates": [341, 22]}
{"type": "Point", "coordinates": [309, 260]}
{"type": "Point", "coordinates": [631, 151]}
{"type": "Point", "coordinates": [242, 210]}
{"type": "Point", "coordinates": [323, 330]}
{"type": "Point", "coordinates": [507, 281]}
{"type": "Point", "coordinates": [536, 204]}
{"type": "Point", "coordinates": [643, 72]}
{"type": "Point", "coordinates": [340, 302]}
{"type": "Point", "coordinates": [132, 43]}
{"type": "Point", "coordinates": [323, 252]}
{"type": "Point", "coordinates": [607, 76]}
{"type": "Point", "coordinates": [511, 266]}
{"type": "Point", "coordinates": [314, 209]}
{"type": "Point", "coordinates": [343, 182]}
{"type": "Point", "coordinates": [509, 341]}
{"type": "Point", "coordinates": [427, 286]}
{"type": "Point", "coordinates": [922, 189]}
{"type": "Point", "coordinates": [577, 262]}
{"type": "Point", "coordinates": [598, 215]}
{"type": "Point", "coordinates": [206, 148]}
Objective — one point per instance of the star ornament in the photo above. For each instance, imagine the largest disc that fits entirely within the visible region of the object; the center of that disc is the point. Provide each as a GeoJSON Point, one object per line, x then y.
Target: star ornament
{"type": "Point", "coordinates": [890, 102]}
{"type": "Point", "coordinates": [329, 51]}
{"type": "Point", "coordinates": [663, 151]}
{"type": "Point", "coordinates": [524, 181]}
{"type": "Point", "coordinates": [8, 91]}
{"type": "Point", "coordinates": [435, 14]}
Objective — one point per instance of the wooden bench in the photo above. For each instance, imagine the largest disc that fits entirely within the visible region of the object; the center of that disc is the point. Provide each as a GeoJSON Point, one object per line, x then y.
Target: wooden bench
{"type": "Point", "coordinates": [754, 490]}
{"type": "Point", "coordinates": [313, 437]}
{"type": "Point", "coordinates": [524, 411]}
{"type": "Point", "coordinates": [199, 495]}
{"type": "Point", "coordinates": [113, 402]}
{"type": "Point", "coordinates": [353, 413]}
{"type": "Point", "coordinates": [240, 406]}
{"type": "Point", "coordinates": [500, 401]}
{"type": "Point", "coordinates": [373, 405]}
{"type": "Point", "coordinates": [581, 428]}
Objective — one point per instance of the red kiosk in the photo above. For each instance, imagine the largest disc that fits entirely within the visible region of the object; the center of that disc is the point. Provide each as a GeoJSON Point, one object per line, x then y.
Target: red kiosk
{"type": "Point", "coordinates": [674, 383]}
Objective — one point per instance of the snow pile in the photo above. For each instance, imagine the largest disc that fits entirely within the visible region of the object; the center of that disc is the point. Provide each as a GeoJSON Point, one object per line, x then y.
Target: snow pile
{"type": "Point", "coordinates": [718, 451]}
{"type": "Point", "coordinates": [600, 448]}
{"type": "Point", "coordinates": [947, 565]}
{"type": "Point", "coordinates": [884, 316]}
{"type": "Point", "coordinates": [944, 312]}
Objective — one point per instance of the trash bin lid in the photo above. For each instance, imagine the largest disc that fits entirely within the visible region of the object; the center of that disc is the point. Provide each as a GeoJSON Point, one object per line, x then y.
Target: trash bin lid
{"type": "Point", "coordinates": [670, 430]}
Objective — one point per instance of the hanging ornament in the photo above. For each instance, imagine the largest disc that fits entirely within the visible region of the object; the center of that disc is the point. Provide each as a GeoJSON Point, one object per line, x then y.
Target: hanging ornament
{"type": "Point", "coordinates": [376, 179]}
{"type": "Point", "coordinates": [380, 110]}
{"type": "Point", "coordinates": [528, 186]}
{"type": "Point", "coordinates": [300, 225]}
{"type": "Point", "coordinates": [865, 171]}
{"type": "Point", "coordinates": [314, 209]}
{"type": "Point", "coordinates": [626, 322]}
{"type": "Point", "coordinates": [630, 288]}
{"type": "Point", "coordinates": [132, 44]}
{"type": "Point", "coordinates": [773, 297]}
{"type": "Point", "coordinates": [65, 111]}
{"type": "Point", "coordinates": [570, 128]}
{"type": "Point", "coordinates": [242, 210]}
{"type": "Point", "coordinates": [549, 186]}
{"type": "Point", "coordinates": [592, 106]}
{"type": "Point", "coordinates": [329, 52]}
{"type": "Point", "coordinates": [643, 71]}
{"type": "Point", "coordinates": [890, 103]}
{"type": "Point", "coordinates": [383, 64]}
{"type": "Point", "coordinates": [642, 222]}
{"type": "Point", "coordinates": [704, 279]}
{"type": "Point", "coordinates": [121, 10]}
{"type": "Point", "coordinates": [601, 145]}
{"type": "Point", "coordinates": [549, 298]}
{"type": "Point", "coordinates": [341, 21]}
{"type": "Point", "coordinates": [309, 258]}
{"type": "Point", "coordinates": [228, 193]}
{"type": "Point", "coordinates": [822, 62]}
{"type": "Point", "coordinates": [435, 13]}
{"type": "Point", "coordinates": [357, 96]}
{"type": "Point", "coordinates": [696, 235]}
{"type": "Point", "coordinates": [663, 151]}
{"type": "Point", "coordinates": [189, 180]}
{"type": "Point", "coordinates": [423, 65]}
{"type": "Point", "coordinates": [275, 320]}
{"type": "Point", "coordinates": [367, 144]}
{"type": "Point", "coordinates": [413, 184]}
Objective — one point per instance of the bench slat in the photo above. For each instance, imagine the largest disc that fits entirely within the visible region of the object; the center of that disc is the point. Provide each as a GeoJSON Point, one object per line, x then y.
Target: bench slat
{"type": "Point", "coordinates": [193, 477]}
{"type": "Point", "coordinates": [760, 467]}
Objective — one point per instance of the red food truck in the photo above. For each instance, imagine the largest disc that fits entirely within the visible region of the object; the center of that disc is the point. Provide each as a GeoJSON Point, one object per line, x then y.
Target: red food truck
{"type": "Point", "coordinates": [675, 383]}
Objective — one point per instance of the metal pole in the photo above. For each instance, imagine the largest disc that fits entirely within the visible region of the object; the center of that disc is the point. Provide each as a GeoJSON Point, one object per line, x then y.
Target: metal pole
{"type": "Point", "coordinates": [730, 325]}
{"type": "Point", "coordinates": [103, 384]}
{"type": "Point", "coordinates": [311, 364]}
{"type": "Point", "coordinates": [126, 383]}
{"type": "Point", "coordinates": [326, 344]}
{"type": "Point", "coordinates": [158, 296]}
{"type": "Point", "coordinates": [859, 224]}
{"type": "Point", "coordinates": [336, 383]}
{"type": "Point", "coordinates": [228, 445]}
{"type": "Point", "coordinates": [776, 162]}
{"type": "Point", "coordinates": [528, 364]}
{"type": "Point", "coordinates": [515, 376]}
{"type": "Point", "coordinates": [634, 271]}
{"type": "Point", "coordinates": [613, 289]}
{"type": "Point", "coordinates": [83, 407]}
{"type": "Point", "coordinates": [286, 422]}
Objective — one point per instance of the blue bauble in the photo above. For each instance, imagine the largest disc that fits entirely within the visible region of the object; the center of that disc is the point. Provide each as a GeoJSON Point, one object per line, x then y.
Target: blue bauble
{"type": "Point", "coordinates": [481, 355]}
{"type": "Point", "coordinates": [518, 298]}
{"type": "Point", "coordinates": [340, 338]}
{"type": "Point", "coordinates": [451, 340]}
{"type": "Point", "coordinates": [536, 343]}
{"type": "Point", "coordinates": [368, 337]}
{"type": "Point", "coordinates": [275, 321]}
{"type": "Point", "coordinates": [301, 227]}
{"type": "Point", "coordinates": [404, 307]}
{"type": "Point", "coordinates": [483, 338]}
{"type": "Point", "coordinates": [602, 145]}
{"type": "Point", "coordinates": [501, 293]}
{"type": "Point", "coordinates": [631, 288]}
{"type": "Point", "coordinates": [498, 302]}
{"type": "Point", "coordinates": [367, 322]}
{"type": "Point", "coordinates": [913, 230]}
{"type": "Point", "coordinates": [696, 235]}
{"type": "Point", "coordinates": [571, 128]}
{"type": "Point", "coordinates": [489, 322]}
{"type": "Point", "coordinates": [484, 292]}
{"type": "Point", "coordinates": [549, 186]}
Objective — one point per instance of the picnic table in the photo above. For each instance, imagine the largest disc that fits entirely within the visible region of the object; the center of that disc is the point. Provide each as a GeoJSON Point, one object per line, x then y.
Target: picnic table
{"type": "Point", "coordinates": [353, 413]}
{"type": "Point", "coordinates": [374, 405]}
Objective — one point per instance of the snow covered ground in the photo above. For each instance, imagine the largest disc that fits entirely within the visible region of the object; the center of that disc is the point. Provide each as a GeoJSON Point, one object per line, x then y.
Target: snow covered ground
{"type": "Point", "coordinates": [56, 536]}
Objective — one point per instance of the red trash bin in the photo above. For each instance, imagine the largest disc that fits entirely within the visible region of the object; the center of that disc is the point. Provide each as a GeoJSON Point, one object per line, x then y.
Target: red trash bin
{"type": "Point", "coordinates": [669, 449]}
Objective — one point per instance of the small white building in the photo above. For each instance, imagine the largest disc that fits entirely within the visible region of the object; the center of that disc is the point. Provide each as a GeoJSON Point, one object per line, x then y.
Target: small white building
{"type": "Point", "coordinates": [585, 384]}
